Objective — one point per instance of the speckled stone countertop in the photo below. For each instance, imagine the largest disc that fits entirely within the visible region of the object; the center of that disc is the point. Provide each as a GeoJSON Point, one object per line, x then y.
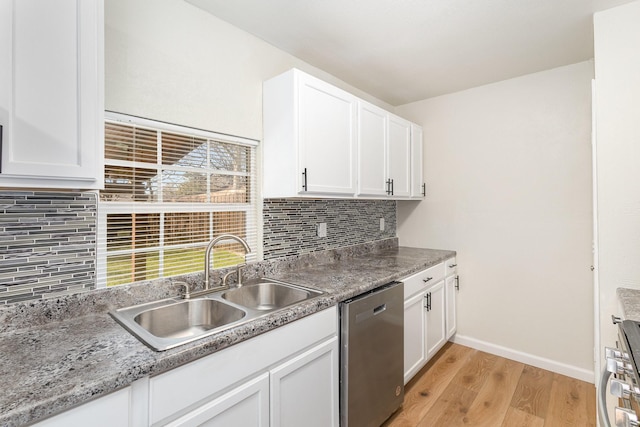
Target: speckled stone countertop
{"type": "Point", "coordinates": [630, 302]}
{"type": "Point", "coordinates": [58, 354]}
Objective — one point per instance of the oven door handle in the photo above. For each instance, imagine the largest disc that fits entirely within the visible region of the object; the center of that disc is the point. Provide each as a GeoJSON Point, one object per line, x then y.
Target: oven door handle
{"type": "Point", "coordinates": [602, 399]}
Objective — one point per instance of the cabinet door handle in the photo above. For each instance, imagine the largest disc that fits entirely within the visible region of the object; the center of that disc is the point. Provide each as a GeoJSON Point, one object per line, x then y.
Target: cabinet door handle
{"type": "Point", "coordinates": [424, 189]}
{"type": "Point", "coordinates": [453, 265]}
{"type": "Point", "coordinates": [427, 279]}
{"type": "Point", "coordinates": [304, 180]}
{"type": "Point", "coordinates": [392, 187]}
{"type": "Point", "coordinates": [388, 182]}
{"type": "Point", "coordinates": [457, 283]}
{"type": "Point", "coordinates": [427, 301]}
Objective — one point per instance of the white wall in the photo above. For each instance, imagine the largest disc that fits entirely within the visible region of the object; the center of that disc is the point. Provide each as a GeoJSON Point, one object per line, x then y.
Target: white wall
{"type": "Point", "coordinates": [508, 173]}
{"type": "Point", "coordinates": [168, 60]}
{"type": "Point", "coordinates": [617, 71]}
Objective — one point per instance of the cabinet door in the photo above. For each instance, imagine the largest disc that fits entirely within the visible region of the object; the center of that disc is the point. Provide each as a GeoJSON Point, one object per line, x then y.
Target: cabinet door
{"type": "Point", "coordinates": [372, 150]}
{"type": "Point", "coordinates": [418, 186]}
{"type": "Point", "coordinates": [415, 334]}
{"type": "Point", "coordinates": [51, 93]}
{"type": "Point", "coordinates": [327, 137]}
{"type": "Point", "coordinates": [247, 405]}
{"type": "Point", "coordinates": [108, 411]}
{"type": "Point", "coordinates": [436, 328]}
{"type": "Point", "coordinates": [304, 390]}
{"type": "Point", "coordinates": [451, 295]}
{"type": "Point", "coordinates": [400, 156]}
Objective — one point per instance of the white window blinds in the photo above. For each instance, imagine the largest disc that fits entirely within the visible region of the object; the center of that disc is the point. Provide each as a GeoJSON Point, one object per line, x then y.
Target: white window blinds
{"type": "Point", "coordinates": [168, 191]}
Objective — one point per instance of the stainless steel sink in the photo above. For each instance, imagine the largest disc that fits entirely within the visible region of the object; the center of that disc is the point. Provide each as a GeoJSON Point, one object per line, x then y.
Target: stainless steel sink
{"type": "Point", "coordinates": [268, 295]}
{"type": "Point", "coordinates": [188, 318]}
{"type": "Point", "coordinates": [172, 322]}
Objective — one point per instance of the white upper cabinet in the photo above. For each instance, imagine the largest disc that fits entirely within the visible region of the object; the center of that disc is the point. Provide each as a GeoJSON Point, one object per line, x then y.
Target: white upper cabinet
{"type": "Point", "coordinates": [399, 172]}
{"type": "Point", "coordinates": [386, 162]}
{"type": "Point", "coordinates": [51, 93]}
{"type": "Point", "coordinates": [320, 141]}
{"type": "Point", "coordinates": [309, 138]}
{"type": "Point", "coordinates": [372, 150]}
{"type": "Point", "coordinates": [418, 186]}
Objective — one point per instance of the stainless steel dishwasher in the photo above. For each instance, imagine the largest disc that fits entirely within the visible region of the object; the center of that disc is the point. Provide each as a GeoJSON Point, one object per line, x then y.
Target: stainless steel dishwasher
{"type": "Point", "coordinates": [372, 356]}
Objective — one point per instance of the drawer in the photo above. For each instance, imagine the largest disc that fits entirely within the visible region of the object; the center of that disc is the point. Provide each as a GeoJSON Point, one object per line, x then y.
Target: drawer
{"type": "Point", "coordinates": [422, 279]}
{"type": "Point", "coordinates": [450, 266]}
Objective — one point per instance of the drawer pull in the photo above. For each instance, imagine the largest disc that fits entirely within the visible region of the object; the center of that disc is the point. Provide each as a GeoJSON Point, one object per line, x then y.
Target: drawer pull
{"type": "Point", "coordinates": [427, 279]}
{"type": "Point", "coordinates": [453, 265]}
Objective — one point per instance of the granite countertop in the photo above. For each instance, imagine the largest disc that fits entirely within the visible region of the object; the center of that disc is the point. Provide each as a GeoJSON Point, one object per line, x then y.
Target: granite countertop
{"type": "Point", "coordinates": [59, 360]}
{"type": "Point", "coordinates": [629, 302]}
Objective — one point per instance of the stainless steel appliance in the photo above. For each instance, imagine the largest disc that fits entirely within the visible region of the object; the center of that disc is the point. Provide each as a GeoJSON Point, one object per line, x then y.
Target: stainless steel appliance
{"type": "Point", "coordinates": [622, 363]}
{"type": "Point", "coordinates": [372, 356]}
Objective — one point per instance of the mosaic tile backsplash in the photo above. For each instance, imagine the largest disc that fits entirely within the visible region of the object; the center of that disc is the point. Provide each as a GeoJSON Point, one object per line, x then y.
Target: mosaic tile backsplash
{"type": "Point", "coordinates": [48, 239]}
{"type": "Point", "coordinates": [47, 244]}
{"type": "Point", "coordinates": [290, 225]}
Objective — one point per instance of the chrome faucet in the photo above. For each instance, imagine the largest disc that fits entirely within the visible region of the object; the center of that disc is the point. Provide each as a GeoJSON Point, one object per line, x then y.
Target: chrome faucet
{"type": "Point", "coordinates": [207, 265]}
{"type": "Point", "coordinates": [207, 258]}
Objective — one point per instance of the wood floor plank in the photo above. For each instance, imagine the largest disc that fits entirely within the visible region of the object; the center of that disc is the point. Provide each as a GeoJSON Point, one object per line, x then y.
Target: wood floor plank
{"type": "Point", "coordinates": [568, 406]}
{"type": "Point", "coordinates": [490, 406]}
{"type": "Point", "coordinates": [475, 372]}
{"type": "Point", "coordinates": [450, 408]}
{"type": "Point", "coordinates": [533, 392]}
{"type": "Point", "coordinates": [465, 387]}
{"type": "Point", "coordinates": [517, 418]}
{"type": "Point", "coordinates": [422, 392]}
{"type": "Point", "coordinates": [592, 412]}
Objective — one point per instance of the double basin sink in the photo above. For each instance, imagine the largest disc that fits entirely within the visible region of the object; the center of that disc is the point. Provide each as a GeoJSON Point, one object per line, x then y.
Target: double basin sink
{"type": "Point", "coordinates": [171, 322]}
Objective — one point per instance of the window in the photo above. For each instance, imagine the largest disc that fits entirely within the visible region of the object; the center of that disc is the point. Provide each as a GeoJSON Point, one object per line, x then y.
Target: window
{"type": "Point", "coordinates": [168, 191]}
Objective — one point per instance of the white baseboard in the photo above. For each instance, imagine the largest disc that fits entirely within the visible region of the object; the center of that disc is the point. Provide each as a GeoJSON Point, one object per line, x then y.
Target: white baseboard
{"type": "Point", "coordinates": [529, 359]}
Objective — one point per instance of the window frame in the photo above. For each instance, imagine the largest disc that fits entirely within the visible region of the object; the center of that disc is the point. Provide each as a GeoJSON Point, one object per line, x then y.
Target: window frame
{"type": "Point", "coordinates": [252, 208]}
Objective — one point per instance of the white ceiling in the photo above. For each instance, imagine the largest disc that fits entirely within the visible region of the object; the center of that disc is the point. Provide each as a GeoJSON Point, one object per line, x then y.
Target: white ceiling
{"type": "Point", "coordinates": [407, 50]}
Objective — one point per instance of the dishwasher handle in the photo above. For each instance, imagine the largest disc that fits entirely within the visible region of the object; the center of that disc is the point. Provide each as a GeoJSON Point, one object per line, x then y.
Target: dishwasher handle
{"type": "Point", "coordinates": [367, 314]}
{"type": "Point", "coordinates": [379, 309]}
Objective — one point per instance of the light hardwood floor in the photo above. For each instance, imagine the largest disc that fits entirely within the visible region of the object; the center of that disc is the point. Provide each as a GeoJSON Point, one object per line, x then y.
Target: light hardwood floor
{"type": "Point", "coordinates": [461, 386]}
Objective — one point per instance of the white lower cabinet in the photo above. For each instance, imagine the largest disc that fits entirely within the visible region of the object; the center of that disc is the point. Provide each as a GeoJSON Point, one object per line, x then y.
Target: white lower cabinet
{"type": "Point", "coordinates": [452, 285]}
{"type": "Point", "coordinates": [415, 335]}
{"type": "Point", "coordinates": [304, 389]}
{"type": "Point", "coordinates": [451, 296]}
{"type": "Point", "coordinates": [285, 377]}
{"type": "Point", "coordinates": [246, 405]}
{"type": "Point", "coordinates": [426, 313]}
{"type": "Point", "coordinates": [435, 318]}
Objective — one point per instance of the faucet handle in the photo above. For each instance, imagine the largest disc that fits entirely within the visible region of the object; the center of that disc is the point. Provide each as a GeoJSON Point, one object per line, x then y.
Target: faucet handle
{"type": "Point", "coordinates": [187, 291]}
{"type": "Point", "coordinates": [239, 269]}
